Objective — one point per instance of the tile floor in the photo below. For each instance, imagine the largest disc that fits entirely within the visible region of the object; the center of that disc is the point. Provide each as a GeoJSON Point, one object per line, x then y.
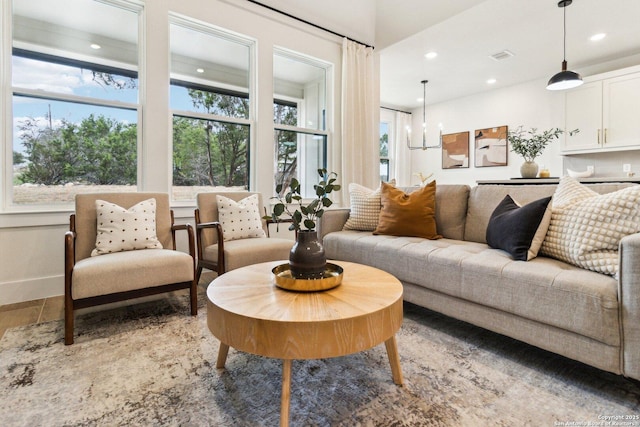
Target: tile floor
{"type": "Point", "coordinates": [47, 309]}
{"type": "Point", "coordinates": [26, 313]}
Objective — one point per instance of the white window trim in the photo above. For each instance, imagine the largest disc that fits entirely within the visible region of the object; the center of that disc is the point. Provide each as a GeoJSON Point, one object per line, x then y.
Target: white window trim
{"type": "Point", "coordinates": [213, 30]}
{"type": "Point", "coordinates": [31, 215]}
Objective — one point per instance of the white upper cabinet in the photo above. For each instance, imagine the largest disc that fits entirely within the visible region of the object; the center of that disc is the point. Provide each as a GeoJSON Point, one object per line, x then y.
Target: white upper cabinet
{"type": "Point", "coordinates": [607, 113]}
{"type": "Point", "coordinates": [583, 111]}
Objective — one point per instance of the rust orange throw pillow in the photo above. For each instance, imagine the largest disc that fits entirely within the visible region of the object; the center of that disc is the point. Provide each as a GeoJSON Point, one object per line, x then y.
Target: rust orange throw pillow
{"type": "Point", "coordinates": [412, 214]}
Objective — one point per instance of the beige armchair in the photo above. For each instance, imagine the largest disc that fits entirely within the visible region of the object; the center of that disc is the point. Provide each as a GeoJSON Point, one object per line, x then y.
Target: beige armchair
{"type": "Point", "coordinates": [219, 255]}
{"type": "Point", "coordinates": [94, 280]}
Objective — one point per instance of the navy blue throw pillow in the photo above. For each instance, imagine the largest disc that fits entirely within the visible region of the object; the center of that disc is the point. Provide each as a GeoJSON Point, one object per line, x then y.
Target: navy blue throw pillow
{"type": "Point", "coordinates": [519, 230]}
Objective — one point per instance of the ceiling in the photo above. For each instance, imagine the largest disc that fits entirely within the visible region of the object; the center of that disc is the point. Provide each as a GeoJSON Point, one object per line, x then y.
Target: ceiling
{"type": "Point", "coordinates": [465, 33]}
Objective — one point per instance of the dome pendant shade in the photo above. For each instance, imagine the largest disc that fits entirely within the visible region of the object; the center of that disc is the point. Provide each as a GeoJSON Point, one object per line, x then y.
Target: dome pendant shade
{"type": "Point", "coordinates": [564, 79]}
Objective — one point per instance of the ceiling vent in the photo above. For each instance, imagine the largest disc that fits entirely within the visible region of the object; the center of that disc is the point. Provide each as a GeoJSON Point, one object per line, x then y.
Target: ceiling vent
{"type": "Point", "coordinates": [504, 54]}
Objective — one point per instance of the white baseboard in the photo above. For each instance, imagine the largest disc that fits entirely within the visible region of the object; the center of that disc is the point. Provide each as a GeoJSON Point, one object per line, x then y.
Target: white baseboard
{"type": "Point", "coordinates": [31, 289]}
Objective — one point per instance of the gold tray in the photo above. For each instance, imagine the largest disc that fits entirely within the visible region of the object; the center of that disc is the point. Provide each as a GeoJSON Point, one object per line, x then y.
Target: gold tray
{"type": "Point", "coordinates": [332, 277]}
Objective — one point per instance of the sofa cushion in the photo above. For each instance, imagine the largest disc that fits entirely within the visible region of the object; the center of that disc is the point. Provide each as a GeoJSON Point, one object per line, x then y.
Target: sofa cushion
{"type": "Point", "coordinates": [410, 214]}
{"type": "Point", "coordinates": [544, 290]}
{"type": "Point", "coordinates": [483, 200]}
{"type": "Point", "coordinates": [120, 229]}
{"type": "Point", "coordinates": [586, 227]}
{"type": "Point", "coordinates": [451, 210]}
{"type": "Point", "coordinates": [519, 230]}
{"type": "Point", "coordinates": [365, 207]}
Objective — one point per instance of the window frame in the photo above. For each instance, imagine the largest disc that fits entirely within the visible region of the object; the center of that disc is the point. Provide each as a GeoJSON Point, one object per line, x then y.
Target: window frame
{"type": "Point", "coordinates": [388, 157]}
{"type": "Point", "coordinates": [250, 43]}
{"type": "Point", "coordinates": [7, 205]}
{"type": "Point", "coordinates": [325, 133]}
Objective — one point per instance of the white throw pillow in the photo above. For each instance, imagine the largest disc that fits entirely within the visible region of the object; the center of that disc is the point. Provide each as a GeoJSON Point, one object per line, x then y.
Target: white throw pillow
{"type": "Point", "coordinates": [586, 227]}
{"type": "Point", "coordinates": [365, 207]}
{"type": "Point", "coordinates": [120, 229]}
{"type": "Point", "coordinates": [240, 220]}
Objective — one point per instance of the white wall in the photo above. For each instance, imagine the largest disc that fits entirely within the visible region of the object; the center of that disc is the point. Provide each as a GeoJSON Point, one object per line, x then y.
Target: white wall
{"type": "Point", "coordinates": [529, 105]}
{"type": "Point", "coordinates": [31, 244]}
{"type": "Point", "coordinates": [354, 18]}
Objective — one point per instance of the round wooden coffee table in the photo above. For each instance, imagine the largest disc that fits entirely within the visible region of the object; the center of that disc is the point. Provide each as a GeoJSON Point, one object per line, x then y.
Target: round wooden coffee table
{"type": "Point", "coordinates": [246, 311]}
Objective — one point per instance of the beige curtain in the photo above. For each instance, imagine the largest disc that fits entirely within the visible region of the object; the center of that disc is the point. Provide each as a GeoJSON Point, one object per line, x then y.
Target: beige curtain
{"type": "Point", "coordinates": [401, 158]}
{"type": "Point", "coordinates": [360, 116]}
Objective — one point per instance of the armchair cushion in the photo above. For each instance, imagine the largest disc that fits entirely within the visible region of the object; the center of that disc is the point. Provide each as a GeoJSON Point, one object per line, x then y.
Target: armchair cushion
{"type": "Point", "coordinates": [240, 219]}
{"type": "Point", "coordinates": [239, 253]}
{"type": "Point", "coordinates": [120, 229]}
{"type": "Point", "coordinates": [125, 271]}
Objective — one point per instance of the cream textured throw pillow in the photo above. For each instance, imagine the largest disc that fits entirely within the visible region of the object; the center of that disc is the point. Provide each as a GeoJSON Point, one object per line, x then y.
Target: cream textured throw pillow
{"type": "Point", "coordinates": [240, 220]}
{"type": "Point", "coordinates": [120, 229]}
{"type": "Point", "coordinates": [365, 207]}
{"type": "Point", "coordinates": [586, 227]}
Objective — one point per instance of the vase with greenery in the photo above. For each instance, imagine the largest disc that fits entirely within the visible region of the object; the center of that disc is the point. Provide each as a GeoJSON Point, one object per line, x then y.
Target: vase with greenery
{"type": "Point", "coordinates": [307, 259]}
{"type": "Point", "coordinates": [530, 144]}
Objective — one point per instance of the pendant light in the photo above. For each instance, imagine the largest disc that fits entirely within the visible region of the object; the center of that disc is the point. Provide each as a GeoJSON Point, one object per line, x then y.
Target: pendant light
{"type": "Point", "coordinates": [424, 145]}
{"type": "Point", "coordinates": [565, 79]}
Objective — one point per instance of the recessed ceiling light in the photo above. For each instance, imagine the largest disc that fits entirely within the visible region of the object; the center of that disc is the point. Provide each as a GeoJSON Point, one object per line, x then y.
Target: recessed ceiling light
{"type": "Point", "coordinates": [420, 99]}
{"type": "Point", "coordinates": [200, 70]}
{"type": "Point", "coordinates": [597, 37]}
{"type": "Point", "coordinates": [491, 81]}
{"type": "Point", "coordinates": [431, 55]}
{"type": "Point", "coordinates": [95, 46]}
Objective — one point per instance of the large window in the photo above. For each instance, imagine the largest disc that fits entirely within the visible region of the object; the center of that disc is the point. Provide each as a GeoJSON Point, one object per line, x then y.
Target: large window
{"type": "Point", "coordinates": [384, 151]}
{"type": "Point", "coordinates": [211, 108]}
{"type": "Point", "coordinates": [75, 99]}
{"type": "Point", "coordinates": [300, 99]}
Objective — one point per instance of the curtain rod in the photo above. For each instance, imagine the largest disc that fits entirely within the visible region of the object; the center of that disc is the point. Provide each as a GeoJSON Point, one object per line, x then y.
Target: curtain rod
{"type": "Point", "coordinates": [395, 109]}
{"type": "Point", "coordinates": [307, 22]}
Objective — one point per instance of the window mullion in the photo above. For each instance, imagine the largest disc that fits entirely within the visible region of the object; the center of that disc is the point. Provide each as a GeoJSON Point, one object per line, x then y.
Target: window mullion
{"type": "Point", "coordinates": [40, 94]}
{"type": "Point", "coordinates": [214, 117]}
{"type": "Point", "coordinates": [307, 131]}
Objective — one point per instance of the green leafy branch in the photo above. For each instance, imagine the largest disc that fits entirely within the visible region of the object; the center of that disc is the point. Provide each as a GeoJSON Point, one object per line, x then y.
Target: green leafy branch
{"type": "Point", "coordinates": [530, 144]}
{"type": "Point", "coordinates": [306, 215]}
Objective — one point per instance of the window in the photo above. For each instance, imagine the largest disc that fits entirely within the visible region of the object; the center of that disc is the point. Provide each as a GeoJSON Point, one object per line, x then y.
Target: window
{"type": "Point", "coordinates": [211, 108]}
{"type": "Point", "coordinates": [75, 100]}
{"type": "Point", "coordinates": [384, 151]}
{"type": "Point", "coordinates": [300, 129]}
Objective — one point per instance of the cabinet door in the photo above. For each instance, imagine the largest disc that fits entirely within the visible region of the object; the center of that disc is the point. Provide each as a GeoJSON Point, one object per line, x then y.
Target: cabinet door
{"type": "Point", "coordinates": [621, 111]}
{"type": "Point", "coordinates": [583, 111]}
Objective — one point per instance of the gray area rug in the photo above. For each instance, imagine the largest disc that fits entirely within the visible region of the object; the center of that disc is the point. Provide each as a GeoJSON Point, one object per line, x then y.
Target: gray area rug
{"type": "Point", "coordinates": [153, 364]}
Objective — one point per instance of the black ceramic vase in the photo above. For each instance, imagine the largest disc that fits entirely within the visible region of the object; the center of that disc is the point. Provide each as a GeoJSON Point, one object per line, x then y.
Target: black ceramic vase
{"type": "Point", "coordinates": [307, 259]}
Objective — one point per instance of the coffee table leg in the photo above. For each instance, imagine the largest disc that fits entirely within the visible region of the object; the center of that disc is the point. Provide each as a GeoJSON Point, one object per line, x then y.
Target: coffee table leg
{"type": "Point", "coordinates": [222, 355]}
{"type": "Point", "coordinates": [286, 393]}
{"type": "Point", "coordinates": [394, 360]}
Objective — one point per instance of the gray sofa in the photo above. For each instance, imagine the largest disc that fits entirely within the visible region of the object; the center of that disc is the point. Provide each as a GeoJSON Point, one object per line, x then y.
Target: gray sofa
{"type": "Point", "coordinates": [580, 314]}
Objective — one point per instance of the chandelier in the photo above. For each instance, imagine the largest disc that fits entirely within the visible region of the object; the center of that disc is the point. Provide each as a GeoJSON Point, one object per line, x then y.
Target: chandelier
{"type": "Point", "coordinates": [424, 145]}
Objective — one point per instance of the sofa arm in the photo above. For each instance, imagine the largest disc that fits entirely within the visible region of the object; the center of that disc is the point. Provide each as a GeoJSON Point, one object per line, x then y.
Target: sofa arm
{"type": "Point", "coordinates": [629, 297]}
{"type": "Point", "coordinates": [332, 220]}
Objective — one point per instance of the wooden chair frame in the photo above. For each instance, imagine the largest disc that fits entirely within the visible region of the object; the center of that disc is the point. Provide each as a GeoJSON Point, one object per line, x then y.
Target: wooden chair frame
{"type": "Point", "coordinates": [219, 265]}
{"type": "Point", "coordinates": [70, 304]}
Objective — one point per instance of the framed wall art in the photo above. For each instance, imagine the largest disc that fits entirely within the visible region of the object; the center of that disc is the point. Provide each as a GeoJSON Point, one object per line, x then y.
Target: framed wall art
{"type": "Point", "coordinates": [455, 150]}
{"type": "Point", "coordinates": [491, 147]}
